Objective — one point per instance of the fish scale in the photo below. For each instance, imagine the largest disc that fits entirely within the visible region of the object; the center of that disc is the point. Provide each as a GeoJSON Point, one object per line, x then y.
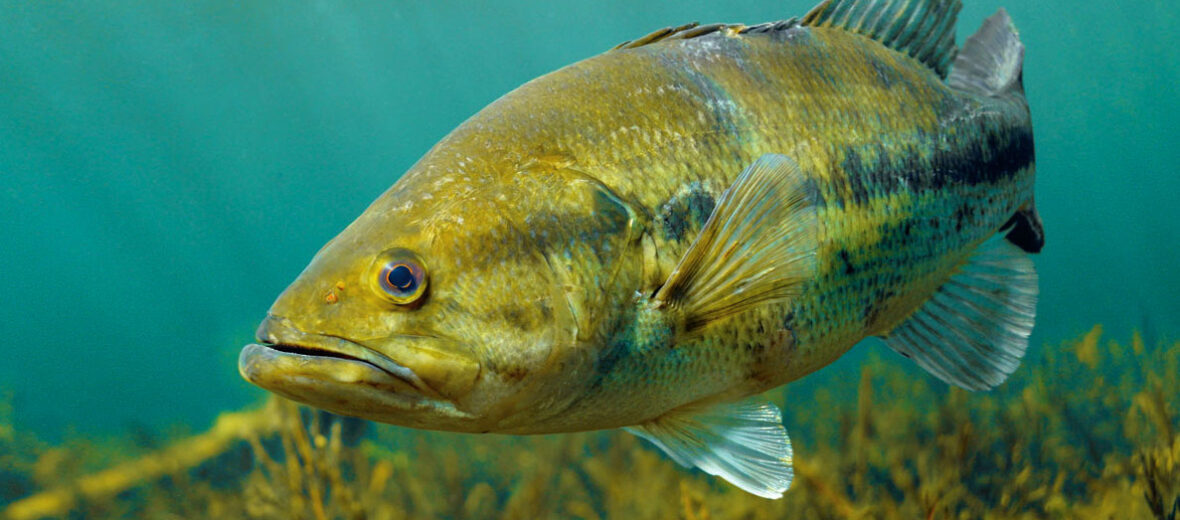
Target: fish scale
{"type": "Point", "coordinates": [651, 237]}
{"type": "Point", "coordinates": [788, 111]}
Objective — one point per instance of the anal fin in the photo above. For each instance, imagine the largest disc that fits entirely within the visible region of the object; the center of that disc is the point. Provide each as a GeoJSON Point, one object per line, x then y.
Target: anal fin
{"type": "Point", "coordinates": [743, 442]}
{"type": "Point", "coordinates": [974, 330]}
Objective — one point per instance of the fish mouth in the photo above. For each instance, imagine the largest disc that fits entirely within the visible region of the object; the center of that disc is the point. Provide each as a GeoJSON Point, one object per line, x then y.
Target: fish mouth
{"type": "Point", "coordinates": [309, 367]}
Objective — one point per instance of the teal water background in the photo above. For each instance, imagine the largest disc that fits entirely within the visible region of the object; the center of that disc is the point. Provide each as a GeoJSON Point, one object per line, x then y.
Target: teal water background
{"type": "Point", "coordinates": [168, 167]}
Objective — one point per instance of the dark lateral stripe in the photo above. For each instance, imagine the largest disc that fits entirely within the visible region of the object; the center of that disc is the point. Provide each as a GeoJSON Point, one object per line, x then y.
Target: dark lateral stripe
{"type": "Point", "coordinates": [685, 213]}
{"type": "Point", "coordinates": [975, 156]}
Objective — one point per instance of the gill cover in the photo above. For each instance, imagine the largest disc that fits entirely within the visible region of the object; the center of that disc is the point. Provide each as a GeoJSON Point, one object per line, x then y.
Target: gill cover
{"type": "Point", "coordinates": [547, 256]}
{"type": "Point", "coordinates": [585, 235]}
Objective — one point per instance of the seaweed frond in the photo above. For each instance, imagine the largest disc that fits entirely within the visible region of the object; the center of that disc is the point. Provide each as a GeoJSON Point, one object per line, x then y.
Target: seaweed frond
{"type": "Point", "coordinates": [1086, 429]}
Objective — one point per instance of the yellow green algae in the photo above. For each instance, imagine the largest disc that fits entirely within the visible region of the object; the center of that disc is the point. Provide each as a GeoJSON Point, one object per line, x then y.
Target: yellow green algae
{"type": "Point", "coordinates": [1085, 429]}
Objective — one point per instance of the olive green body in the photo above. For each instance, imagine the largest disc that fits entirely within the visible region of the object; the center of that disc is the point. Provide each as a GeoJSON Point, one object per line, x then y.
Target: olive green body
{"type": "Point", "coordinates": [585, 187]}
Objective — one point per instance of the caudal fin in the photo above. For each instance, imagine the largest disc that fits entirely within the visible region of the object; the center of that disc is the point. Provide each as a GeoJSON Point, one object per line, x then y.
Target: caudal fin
{"type": "Point", "coordinates": [992, 60]}
{"type": "Point", "coordinates": [1025, 229]}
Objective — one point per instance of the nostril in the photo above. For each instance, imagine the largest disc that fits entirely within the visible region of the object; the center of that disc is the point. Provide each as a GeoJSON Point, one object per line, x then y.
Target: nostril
{"type": "Point", "coordinates": [334, 294]}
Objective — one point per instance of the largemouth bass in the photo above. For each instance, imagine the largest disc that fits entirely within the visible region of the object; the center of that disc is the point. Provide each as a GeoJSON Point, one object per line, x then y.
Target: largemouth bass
{"type": "Point", "coordinates": [650, 238]}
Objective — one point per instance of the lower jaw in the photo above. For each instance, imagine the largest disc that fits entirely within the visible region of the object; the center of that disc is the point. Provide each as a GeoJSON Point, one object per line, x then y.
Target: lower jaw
{"type": "Point", "coordinates": [348, 387]}
{"type": "Point", "coordinates": [307, 375]}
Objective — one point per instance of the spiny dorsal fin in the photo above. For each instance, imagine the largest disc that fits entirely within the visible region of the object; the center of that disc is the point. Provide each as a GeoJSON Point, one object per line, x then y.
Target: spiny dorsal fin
{"type": "Point", "coordinates": [663, 34]}
{"type": "Point", "coordinates": [924, 29]}
{"type": "Point", "coordinates": [992, 59]}
{"type": "Point", "coordinates": [695, 30]}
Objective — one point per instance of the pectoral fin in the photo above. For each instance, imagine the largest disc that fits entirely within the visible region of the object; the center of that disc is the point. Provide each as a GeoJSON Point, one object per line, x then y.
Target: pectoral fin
{"type": "Point", "coordinates": [743, 442]}
{"type": "Point", "coordinates": [974, 330]}
{"type": "Point", "coordinates": [758, 245]}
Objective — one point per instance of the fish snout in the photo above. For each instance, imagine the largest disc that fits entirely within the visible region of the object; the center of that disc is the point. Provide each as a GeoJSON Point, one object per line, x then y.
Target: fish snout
{"type": "Point", "coordinates": [434, 367]}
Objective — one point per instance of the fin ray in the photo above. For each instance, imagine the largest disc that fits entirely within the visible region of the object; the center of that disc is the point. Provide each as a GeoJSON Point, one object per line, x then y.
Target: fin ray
{"type": "Point", "coordinates": [743, 442]}
{"type": "Point", "coordinates": [992, 59]}
{"type": "Point", "coordinates": [923, 29]}
{"type": "Point", "coordinates": [696, 30]}
{"type": "Point", "coordinates": [757, 246]}
{"type": "Point", "coordinates": [974, 330]}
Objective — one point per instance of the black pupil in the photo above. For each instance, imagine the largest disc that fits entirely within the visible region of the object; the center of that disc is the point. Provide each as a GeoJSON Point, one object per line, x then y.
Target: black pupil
{"type": "Point", "coordinates": [402, 278]}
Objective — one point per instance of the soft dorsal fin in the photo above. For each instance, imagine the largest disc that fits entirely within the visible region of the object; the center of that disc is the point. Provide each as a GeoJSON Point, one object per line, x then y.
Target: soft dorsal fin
{"type": "Point", "coordinates": [924, 29]}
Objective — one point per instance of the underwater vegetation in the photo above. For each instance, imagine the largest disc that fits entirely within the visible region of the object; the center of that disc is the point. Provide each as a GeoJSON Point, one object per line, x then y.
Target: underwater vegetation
{"type": "Point", "coordinates": [1085, 429]}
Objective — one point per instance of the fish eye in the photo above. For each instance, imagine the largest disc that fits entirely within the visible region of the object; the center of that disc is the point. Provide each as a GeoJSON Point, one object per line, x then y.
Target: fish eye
{"type": "Point", "coordinates": [401, 277]}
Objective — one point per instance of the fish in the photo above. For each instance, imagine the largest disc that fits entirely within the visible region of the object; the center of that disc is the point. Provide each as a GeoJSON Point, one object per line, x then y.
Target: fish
{"type": "Point", "coordinates": [653, 237]}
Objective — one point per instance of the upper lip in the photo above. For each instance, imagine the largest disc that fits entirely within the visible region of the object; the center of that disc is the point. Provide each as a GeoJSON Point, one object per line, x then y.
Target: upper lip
{"type": "Point", "coordinates": [278, 333]}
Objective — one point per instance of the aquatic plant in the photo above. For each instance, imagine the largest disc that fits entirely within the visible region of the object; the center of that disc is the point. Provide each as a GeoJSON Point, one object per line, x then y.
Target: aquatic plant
{"type": "Point", "coordinates": [1086, 429]}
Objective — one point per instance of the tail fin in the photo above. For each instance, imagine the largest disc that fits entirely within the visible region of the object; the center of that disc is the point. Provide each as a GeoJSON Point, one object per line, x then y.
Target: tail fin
{"type": "Point", "coordinates": [1025, 229]}
{"type": "Point", "coordinates": [991, 63]}
{"type": "Point", "coordinates": [992, 60]}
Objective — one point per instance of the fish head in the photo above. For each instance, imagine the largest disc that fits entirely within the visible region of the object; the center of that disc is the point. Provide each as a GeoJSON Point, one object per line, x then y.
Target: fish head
{"type": "Point", "coordinates": [454, 305]}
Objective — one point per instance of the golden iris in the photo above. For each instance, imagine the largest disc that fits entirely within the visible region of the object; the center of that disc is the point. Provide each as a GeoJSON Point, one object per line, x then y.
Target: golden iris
{"type": "Point", "coordinates": [402, 278]}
